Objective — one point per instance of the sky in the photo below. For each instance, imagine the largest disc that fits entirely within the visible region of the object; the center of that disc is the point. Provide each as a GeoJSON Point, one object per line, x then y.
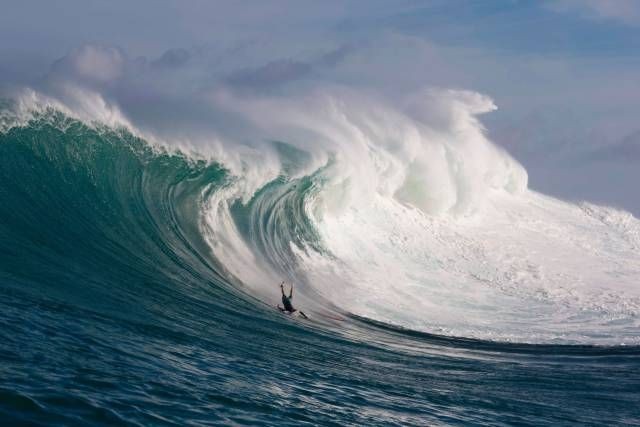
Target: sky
{"type": "Point", "coordinates": [564, 74]}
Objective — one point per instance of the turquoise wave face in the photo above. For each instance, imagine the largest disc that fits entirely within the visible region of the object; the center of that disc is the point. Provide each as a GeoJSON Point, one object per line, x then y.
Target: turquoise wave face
{"type": "Point", "coordinates": [115, 309]}
{"type": "Point", "coordinates": [97, 215]}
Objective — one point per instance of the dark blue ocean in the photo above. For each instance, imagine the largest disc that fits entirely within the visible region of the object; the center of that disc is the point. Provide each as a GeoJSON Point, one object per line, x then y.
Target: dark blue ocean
{"type": "Point", "coordinates": [114, 310]}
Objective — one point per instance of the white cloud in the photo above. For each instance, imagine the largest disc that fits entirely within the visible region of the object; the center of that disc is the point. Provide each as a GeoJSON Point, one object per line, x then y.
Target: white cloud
{"type": "Point", "coordinates": [90, 64]}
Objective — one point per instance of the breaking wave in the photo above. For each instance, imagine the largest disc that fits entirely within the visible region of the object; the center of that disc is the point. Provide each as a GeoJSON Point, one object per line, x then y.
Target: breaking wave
{"type": "Point", "coordinates": [406, 216]}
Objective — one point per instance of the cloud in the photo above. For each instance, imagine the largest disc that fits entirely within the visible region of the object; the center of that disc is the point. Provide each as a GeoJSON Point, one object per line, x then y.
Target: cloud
{"type": "Point", "coordinates": [333, 58]}
{"type": "Point", "coordinates": [627, 150]}
{"type": "Point", "coordinates": [281, 71]}
{"type": "Point", "coordinates": [90, 64]}
{"type": "Point", "coordinates": [172, 58]}
{"type": "Point", "coordinates": [272, 74]}
{"type": "Point", "coordinates": [625, 11]}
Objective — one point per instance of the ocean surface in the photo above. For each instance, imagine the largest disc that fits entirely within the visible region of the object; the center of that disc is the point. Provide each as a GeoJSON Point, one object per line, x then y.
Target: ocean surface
{"type": "Point", "coordinates": [135, 290]}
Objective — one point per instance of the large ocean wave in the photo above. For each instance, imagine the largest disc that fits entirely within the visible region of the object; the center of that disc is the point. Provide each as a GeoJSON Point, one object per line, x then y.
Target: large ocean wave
{"type": "Point", "coordinates": [406, 216]}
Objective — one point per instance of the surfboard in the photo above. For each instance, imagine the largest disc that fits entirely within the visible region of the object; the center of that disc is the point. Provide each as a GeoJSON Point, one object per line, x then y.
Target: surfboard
{"type": "Point", "coordinates": [301, 313]}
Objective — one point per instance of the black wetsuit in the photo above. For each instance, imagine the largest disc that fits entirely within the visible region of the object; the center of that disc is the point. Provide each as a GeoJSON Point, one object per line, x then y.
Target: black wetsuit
{"type": "Point", "coordinates": [286, 302]}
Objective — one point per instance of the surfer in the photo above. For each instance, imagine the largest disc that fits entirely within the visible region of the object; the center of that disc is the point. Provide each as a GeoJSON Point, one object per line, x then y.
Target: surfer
{"type": "Point", "coordinates": [286, 302]}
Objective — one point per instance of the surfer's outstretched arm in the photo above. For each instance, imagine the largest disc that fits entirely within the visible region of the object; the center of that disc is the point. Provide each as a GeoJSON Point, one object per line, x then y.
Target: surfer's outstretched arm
{"type": "Point", "coordinates": [282, 288]}
{"type": "Point", "coordinates": [291, 291]}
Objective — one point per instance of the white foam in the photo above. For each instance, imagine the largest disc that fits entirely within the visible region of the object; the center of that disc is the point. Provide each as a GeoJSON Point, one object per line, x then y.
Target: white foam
{"type": "Point", "coordinates": [430, 226]}
{"type": "Point", "coordinates": [526, 268]}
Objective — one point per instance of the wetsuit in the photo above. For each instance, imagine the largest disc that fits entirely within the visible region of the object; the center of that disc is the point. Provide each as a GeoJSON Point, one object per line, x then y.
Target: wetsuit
{"type": "Point", "coordinates": [286, 302]}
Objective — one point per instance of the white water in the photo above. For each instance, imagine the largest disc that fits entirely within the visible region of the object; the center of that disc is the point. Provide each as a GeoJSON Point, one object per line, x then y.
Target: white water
{"type": "Point", "coordinates": [526, 268]}
{"type": "Point", "coordinates": [430, 227]}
